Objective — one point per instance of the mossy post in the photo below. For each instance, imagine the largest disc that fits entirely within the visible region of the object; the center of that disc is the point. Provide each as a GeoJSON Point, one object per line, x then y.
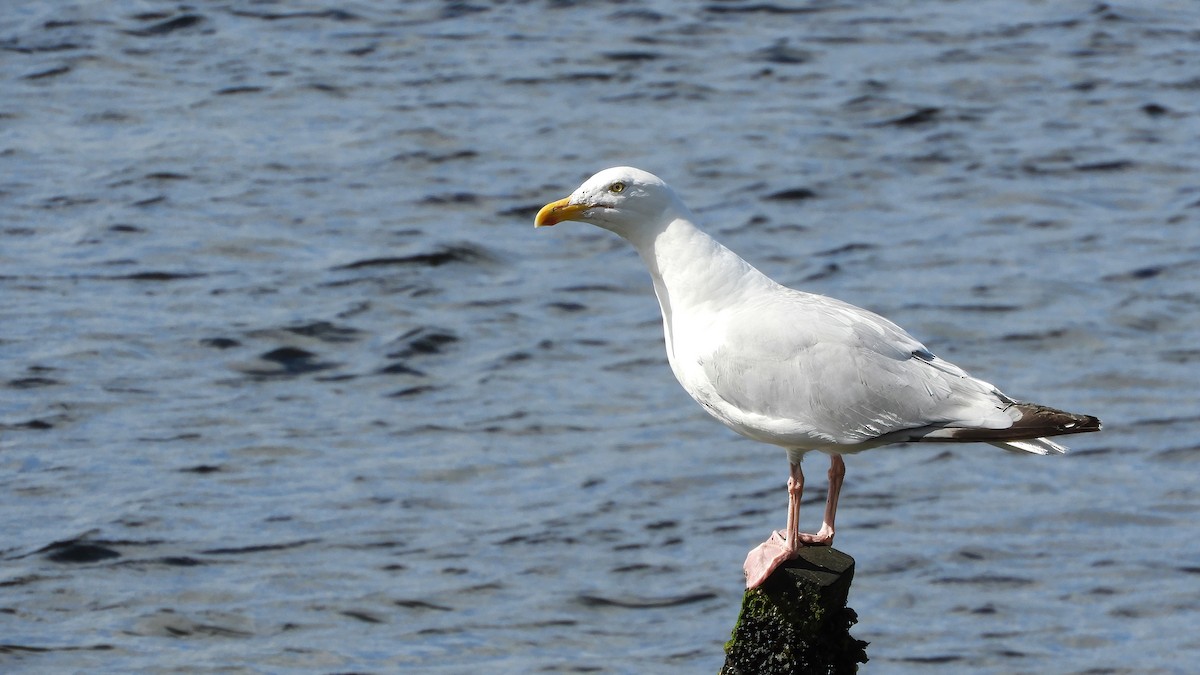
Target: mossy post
{"type": "Point", "coordinates": [797, 621]}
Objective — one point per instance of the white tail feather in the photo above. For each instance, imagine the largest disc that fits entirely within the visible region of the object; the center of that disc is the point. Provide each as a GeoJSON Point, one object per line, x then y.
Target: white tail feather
{"type": "Point", "coordinates": [1037, 446]}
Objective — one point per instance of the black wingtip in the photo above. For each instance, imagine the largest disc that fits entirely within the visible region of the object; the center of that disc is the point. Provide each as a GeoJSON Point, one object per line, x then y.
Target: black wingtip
{"type": "Point", "coordinates": [1040, 420]}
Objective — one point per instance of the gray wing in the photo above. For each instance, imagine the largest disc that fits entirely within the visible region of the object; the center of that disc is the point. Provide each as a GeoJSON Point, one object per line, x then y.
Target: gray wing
{"type": "Point", "coordinates": [842, 371]}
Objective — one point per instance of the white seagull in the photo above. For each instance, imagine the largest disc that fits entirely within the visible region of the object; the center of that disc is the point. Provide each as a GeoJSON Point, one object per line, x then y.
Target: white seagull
{"type": "Point", "coordinates": [794, 369]}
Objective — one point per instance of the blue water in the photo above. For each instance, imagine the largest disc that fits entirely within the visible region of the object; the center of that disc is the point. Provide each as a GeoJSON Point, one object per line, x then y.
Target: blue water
{"type": "Point", "coordinates": [290, 383]}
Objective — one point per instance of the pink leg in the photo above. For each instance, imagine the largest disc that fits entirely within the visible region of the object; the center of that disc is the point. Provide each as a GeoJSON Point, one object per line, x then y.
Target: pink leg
{"type": "Point", "coordinates": [781, 546]}
{"type": "Point", "coordinates": [837, 472]}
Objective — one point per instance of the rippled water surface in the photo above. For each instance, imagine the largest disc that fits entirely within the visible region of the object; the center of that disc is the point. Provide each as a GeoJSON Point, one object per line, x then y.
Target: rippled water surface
{"type": "Point", "coordinates": [290, 383]}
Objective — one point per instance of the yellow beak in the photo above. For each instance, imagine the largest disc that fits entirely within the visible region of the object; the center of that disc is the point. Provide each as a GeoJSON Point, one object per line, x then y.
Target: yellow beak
{"type": "Point", "coordinates": [556, 212]}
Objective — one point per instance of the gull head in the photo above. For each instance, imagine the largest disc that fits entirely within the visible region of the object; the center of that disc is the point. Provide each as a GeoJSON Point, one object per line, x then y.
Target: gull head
{"type": "Point", "coordinates": [622, 199]}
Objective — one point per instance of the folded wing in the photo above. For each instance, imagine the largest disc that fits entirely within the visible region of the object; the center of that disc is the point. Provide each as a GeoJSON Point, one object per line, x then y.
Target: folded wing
{"type": "Point", "coordinates": [843, 372]}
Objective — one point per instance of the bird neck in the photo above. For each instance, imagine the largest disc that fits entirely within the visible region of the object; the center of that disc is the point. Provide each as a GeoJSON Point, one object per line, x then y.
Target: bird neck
{"type": "Point", "coordinates": [692, 272]}
{"type": "Point", "coordinates": [691, 267]}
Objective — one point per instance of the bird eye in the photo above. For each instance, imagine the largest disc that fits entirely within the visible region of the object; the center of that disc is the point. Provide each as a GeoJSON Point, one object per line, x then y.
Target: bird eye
{"type": "Point", "coordinates": [616, 188]}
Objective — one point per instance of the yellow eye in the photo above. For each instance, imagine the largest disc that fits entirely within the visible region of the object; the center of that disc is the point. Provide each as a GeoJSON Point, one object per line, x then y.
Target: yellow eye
{"type": "Point", "coordinates": [616, 188]}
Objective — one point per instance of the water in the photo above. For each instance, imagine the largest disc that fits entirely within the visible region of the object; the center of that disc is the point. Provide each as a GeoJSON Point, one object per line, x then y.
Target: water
{"type": "Point", "coordinates": [290, 384]}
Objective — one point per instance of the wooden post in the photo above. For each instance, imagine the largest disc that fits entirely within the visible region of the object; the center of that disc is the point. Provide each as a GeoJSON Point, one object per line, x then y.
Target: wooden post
{"type": "Point", "coordinates": [797, 621]}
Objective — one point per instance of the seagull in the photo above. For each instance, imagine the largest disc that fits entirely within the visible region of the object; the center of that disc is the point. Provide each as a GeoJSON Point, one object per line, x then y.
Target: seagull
{"type": "Point", "coordinates": [793, 369]}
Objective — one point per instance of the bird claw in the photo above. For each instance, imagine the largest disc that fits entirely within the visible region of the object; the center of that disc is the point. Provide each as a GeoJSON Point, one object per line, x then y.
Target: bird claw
{"type": "Point", "coordinates": [767, 557]}
{"type": "Point", "coordinates": [819, 539]}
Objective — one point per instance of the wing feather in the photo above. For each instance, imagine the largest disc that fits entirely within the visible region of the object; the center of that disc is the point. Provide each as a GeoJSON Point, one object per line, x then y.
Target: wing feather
{"type": "Point", "coordinates": [839, 371]}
